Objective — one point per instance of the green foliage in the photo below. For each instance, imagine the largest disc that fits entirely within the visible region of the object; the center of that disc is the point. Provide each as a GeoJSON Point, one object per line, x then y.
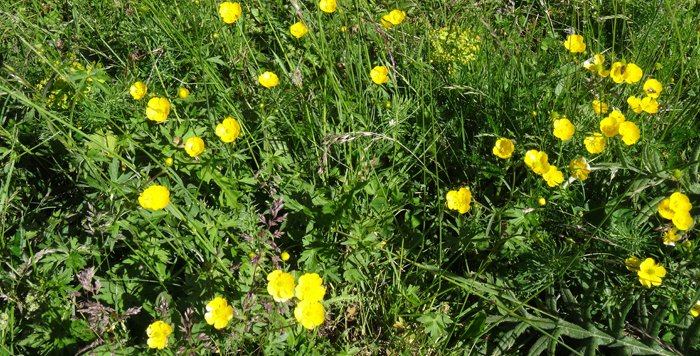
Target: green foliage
{"type": "Point", "coordinates": [349, 177]}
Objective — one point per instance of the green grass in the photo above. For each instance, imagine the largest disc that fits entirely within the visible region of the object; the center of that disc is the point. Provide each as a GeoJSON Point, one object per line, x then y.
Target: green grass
{"type": "Point", "coordinates": [360, 171]}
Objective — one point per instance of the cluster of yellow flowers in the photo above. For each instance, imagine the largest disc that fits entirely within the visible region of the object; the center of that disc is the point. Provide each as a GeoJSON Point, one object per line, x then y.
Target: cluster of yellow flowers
{"type": "Point", "coordinates": [156, 197]}
{"type": "Point", "coordinates": [677, 209]}
{"type": "Point", "coordinates": [538, 162]}
{"type": "Point", "coordinates": [454, 45]}
{"type": "Point", "coordinates": [310, 291]}
{"type": "Point", "coordinates": [218, 314]}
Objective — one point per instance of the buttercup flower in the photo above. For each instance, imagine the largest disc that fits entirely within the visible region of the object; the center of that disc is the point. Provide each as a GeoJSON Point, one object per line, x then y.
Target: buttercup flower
{"type": "Point", "coordinates": [280, 285]}
{"type": "Point", "coordinates": [138, 90]}
{"type": "Point", "coordinates": [169, 162]}
{"type": "Point", "coordinates": [610, 125]}
{"type": "Point", "coordinates": [284, 256]}
{"type": "Point", "coordinates": [579, 168]}
{"type": "Point", "coordinates": [537, 161]}
{"type": "Point", "coordinates": [595, 64]}
{"type": "Point", "coordinates": [632, 263]}
{"type": "Point", "coordinates": [541, 201]}
{"type": "Point", "coordinates": [503, 148]}
{"type": "Point", "coordinates": [677, 209]}
{"type": "Point", "coordinates": [228, 130]}
{"type": "Point", "coordinates": [328, 6]}
{"type": "Point", "coordinates": [575, 44]}
{"type": "Point", "coordinates": [695, 310]}
{"type": "Point", "coordinates": [158, 109]}
{"type": "Point", "coordinates": [594, 144]}
{"type": "Point", "coordinates": [459, 200]}
{"type": "Point", "coordinates": [194, 146]}
{"type": "Point", "coordinates": [309, 314]}
{"type": "Point", "coordinates": [671, 236]}
{"type": "Point", "coordinates": [553, 177]}
{"type": "Point", "coordinates": [629, 73]}
{"type": "Point", "coordinates": [155, 197]}
{"type": "Point", "coordinates": [158, 333]}
{"type": "Point", "coordinates": [298, 30]}
{"type": "Point", "coordinates": [219, 313]}
{"type": "Point", "coordinates": [268, 80]}
{"type": "Point", "coordinates": [379, 74]}
{"type": "Point", "coordinates": [183, 93]}
{"type": "Point", "coordinates": [647, 104]}
{"type": "Point", "coordinates": [563, 129]}
{"type": "Point", "coordinates": [310, 288]}
{"type": "Point", "coordinates": [230, 12]}
{"type": "Point", "coordinates": [599, 107]}
{"type": "Point", "coordinates": [653, 88]}
{"type": "Point", "coordinates": [393, 18]}
{"type": "Point", "coordinates": [630, 133]}
{"type": "Point", "coordinates": [650, 274]}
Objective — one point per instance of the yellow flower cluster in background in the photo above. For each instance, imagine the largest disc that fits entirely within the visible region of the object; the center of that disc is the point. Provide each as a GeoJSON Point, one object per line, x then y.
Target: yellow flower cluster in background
{"type": "Point", "coordinates": [595, 65]}
{"type": "Point", "coordinates": [309, 311]}
{"type": "Point", "coordinates": [454, 45]}
{"type": "Point", "coordinates": [158, 333]}
{"type": "Point", "coordinates": [599, 107]}
{"type": "Point", "coordinates": [459, 200]}
{"type": "Point", "coordinates": [538, 162]}
{"type": "Point", "coordinates": [677, 209]}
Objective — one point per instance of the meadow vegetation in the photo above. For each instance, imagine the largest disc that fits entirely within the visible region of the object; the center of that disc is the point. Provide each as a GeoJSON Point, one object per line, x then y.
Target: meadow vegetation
{"type": "Point", "coordinates": [356, 177]}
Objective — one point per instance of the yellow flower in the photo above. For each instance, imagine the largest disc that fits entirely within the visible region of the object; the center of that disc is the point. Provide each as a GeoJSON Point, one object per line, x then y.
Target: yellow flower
{"type": "Point", "coordinates": [665, 210]}
{"type": "Point", "coordinates": [379, 74]}
{"type": "Point", "coordinates": [579, 168]}
{"type": "Point", "coordinates": [671, 237]}
{"type": "Point", "coordinates": [648, 105]}
{"type": "Point", "coordinates": [138, 90]}
{"type": "Point", "coordinates": [268, 80]}
{"type": "Point", "coordinates": [594, 144]}
{"type": "Point", "coordinates": [194, 146]}
{"type": "Point", "coordinates": [183, 93]}
{"type": "Point", "coordinates": [599, 107]}
{"type": "Point", "coordinates": [284, 256]}
{"type": "Point", "coordinates": [635, 104]}
{"type": "Point", "coordinates": [563, 129]}
{"type": "Point", "coordinates": [629, 73]}
{"type": "Point", "coordinates": [310, 314]}
{"type": "Point", "coordinates": [541, 201]}
{"type": "Point", "coordinates": [553, 177]}
{"type": "Point", "coordinates": [653, 88]}
{"type": "Point", "coordinates": [169, 162]}
{"type": "Point", "coordinates": [537, 161]}
{"type": "Point", "coordinates": [219, 313]}
{"type": "Point", "coordinates": [610, 125]}
{"type": "Point", "coordinates": [575, 44]}
{"type": "Point", "coordinates": [228, 130]}
{"type": "Point", "coordinates": [155, 197]}
{"type": "Point", "coordinates": [158, 109]}
{"type": "Point", "coordinates": [310, 288]}
{"type": "Point", "coordinates": [158, 333]}
{"type": "Point", "coordinates": [682, 220]}
{"type": "Point", "coordinates": [393, 18]}
{"type": "Point", "coordinates": [230, 12]}
{"type": "Point", "coordinates": [503, 148]}
{"type": "Point", "coordinates": [280, 285]}
{"type": "Point", "coordinates": [595, 64]}
{"type": "Point", "coordinates": [679, 202]}
{"type": "Point", "coordinates": [328, 6]}
{"type": "Point", "coordinates": [632, 263]}
{"type": "Point", "coordinates": [695, 310]}
{"type": "Point", "coordinates": [298, 30]}
{"type": "Point", "coordinates": [459, 200]}
{"type": "Point", "coordinates": [650, 274]}
{"type": "Point", "coordinates": [630, 133]}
